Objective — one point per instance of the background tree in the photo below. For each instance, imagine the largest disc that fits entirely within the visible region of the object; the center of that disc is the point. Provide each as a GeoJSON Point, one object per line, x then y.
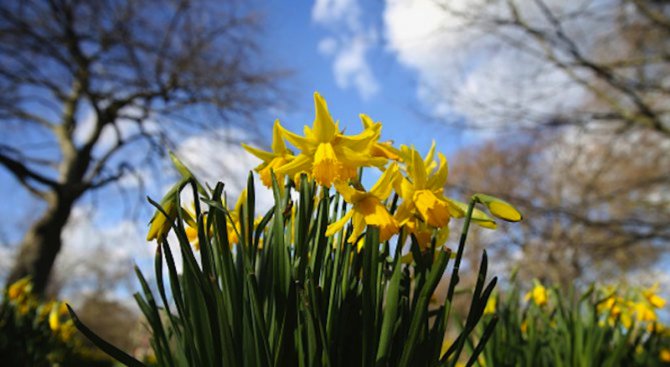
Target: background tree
{"type": "Point", "coordinates": [587, 63]}
{"type": "Point", "coordinates": [593, 207]}
{"type": "Point", "coordinates": [577, 94]}
{"type": "Point", "coordinates": [93, 89]}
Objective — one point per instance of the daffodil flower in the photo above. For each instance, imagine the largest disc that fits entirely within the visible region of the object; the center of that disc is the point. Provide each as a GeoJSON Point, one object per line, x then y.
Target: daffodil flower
{"type": "Point", "coordinates": [279, 156]}
{"type": "Point", "coordinates": [380, 149]}
{"type": "Point", "coordinates": [328, 155]}
{"type": "Point", "coordinates": [538, 294]}
{"type": "Point", "coordinates": [19, 288]}
{"type": "Point", "coordinates": [500, 208]}
{"type": "Point", "coordinates": [652, 297]}
{"type": "Point", "coordinates": [232, 223]}
{"type": "Point", "coordinates": [192, 228]}
{"type": "Point", "coordinates": [423, 200]}
{"type": "Point", "coordinates": [160, 224]}
{"type": "Point", "coordinates": [491, 304]}
{"type": "Point", "coordinates": [368, 208]}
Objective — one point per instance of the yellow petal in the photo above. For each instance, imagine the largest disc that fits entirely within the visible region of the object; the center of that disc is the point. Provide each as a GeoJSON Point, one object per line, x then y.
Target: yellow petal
{"type": "Point", "coordinates": [324, 126]}
{"type": "Point", "coordinates": [326, 166]}
{"type": "Point", "coordinates": [358, 158]}
{"type": "Point", "coordinates": [431, 153]}
{"type": "Point", "coordinates": [304, 144]}
{"type": "Point", "coordinates": [500, 208]}
{"type": "Point", "coordinates": [266, 172]}
{"type": "Point", "coordinates": [361, 142]}
{"type": "Point", "coordinates": [458, 210]}
{"type": "Point", "coordinates": [241, 200]}
{"type": "Point", "coordinates": [338, 225]}
{"type": "Point", "coordinates": [368, 124]}
{"type": "Point", "coordinates": [19, 287]}
{"type": "Point", "coordinates": [278, 146]}
{"type": "Point", "coordinates": [385, 150]}
{"type": "Point", "coordinates": [348, 193]}
{"type": "Point", "coordinates": [433, 210]}
{"type": "Point", "coordinates": [417, 171]}
{"type": "Point", "coordinates": [160, 225]}
{"type": "Point", "coordinates": [384, 185]}
{"type": "Point", "coordinates": [664, 355]}
{"type": "Point", "coordinates": [375, 214]}
{"type": "Point", "coordinates": [301, 163]}
{"type": "Point", "coordinates": [439, 179]}
{"type": "Point", "coordinates": [192, 235]}
{"type": "Point", "coordinates": [260, 154]}
{"type": "Point", "coordinates": [358, 222]}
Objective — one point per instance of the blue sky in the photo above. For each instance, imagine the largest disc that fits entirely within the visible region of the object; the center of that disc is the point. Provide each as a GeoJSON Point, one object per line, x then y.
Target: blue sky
{"type": "Point", "coordinates": [292, 39]}
{"type": "Point", "coordinates": [377, 58]}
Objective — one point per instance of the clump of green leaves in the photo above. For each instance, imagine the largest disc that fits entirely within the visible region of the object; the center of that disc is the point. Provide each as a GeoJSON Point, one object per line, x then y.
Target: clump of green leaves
{"type": "Point", "coordinates": [287, 294]}
{"type": "Point", "coordinates": [604, 326]}
{"type": "Point", "coordinates": [38, 333]}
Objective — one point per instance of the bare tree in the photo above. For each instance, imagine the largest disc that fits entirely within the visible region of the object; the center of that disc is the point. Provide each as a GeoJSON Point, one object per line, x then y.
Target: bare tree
{"type": "Point", "coordinates": [613, 56]}
{"type": "Point", "coordinates": [593, 207]}
{"type": "Point", "coordinates": [85, 83]}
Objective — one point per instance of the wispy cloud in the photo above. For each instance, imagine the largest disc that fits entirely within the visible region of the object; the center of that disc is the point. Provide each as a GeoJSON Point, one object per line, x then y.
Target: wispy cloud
{"type": "Point", "coordinates": [349, 46]}
{"type": "Point", "coordinates": [466, 70]}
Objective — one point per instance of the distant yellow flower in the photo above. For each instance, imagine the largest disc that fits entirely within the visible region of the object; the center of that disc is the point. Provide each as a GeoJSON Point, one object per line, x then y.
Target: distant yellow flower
{"type": "Point", "coordinates": [491, 304]}
{"type": "Point", "coordinates": [524, 326]}
{"type": "Point", "coordinates": [192, 227]}
{"type": "Point", "coordinates": [328, 155]}
{"type": "Point", "coordinates": [664, 355]}
{"type": "Point", "coordinates": [644, 312]}
{"type": "Point", "coordinates": [58, 310]}
{"type": "Point", "coordinates": [233, 226]}
{"type": "Point", "coordinates": [652, 297]}
{"type": "Point", "coordinates": [19, 288]}
{"type": "Point", "coordinates": [160, 224]}
{"type": "Point", "coordinates": [278, 157]}
{"type": "Point", "coordinates": [538, 294]}
{"type": "Point", "coordinates": [368, 208]}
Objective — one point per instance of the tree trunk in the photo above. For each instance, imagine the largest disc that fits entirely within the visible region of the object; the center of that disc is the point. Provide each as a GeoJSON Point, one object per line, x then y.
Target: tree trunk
{"type": "Point", "coordinates": [41, 244]}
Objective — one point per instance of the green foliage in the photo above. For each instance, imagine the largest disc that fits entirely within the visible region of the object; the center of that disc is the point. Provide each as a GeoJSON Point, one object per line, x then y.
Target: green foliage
{"type": "Point", "coordinates": [35, 333]}
{"type": "Point", "coordinates": [288, 295]}
{"type": "Point", "coordinates": [601, 327]}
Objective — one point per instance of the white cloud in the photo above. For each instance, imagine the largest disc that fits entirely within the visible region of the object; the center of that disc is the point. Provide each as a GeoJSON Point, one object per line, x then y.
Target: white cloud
{"type": "Point", "coordinates": [212, 159]}
{"type": "Point", "coordinates": [327, 46]}
{"type": "Point", "coordinates": [351, 68]}
{"type": "Point", "coordinates": [350, 49]}
{"type": "Point", "coordinates": [467, 70]}
{"type": "Point", "coordinates": [336, 12]}
{"type": "Point", "coordinates": [99, 258]}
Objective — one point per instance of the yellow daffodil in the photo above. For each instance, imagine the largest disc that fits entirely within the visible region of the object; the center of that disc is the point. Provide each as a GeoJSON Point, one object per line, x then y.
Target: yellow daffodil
{"type": "Point", "coordinates": [368, 208]}
{"type": "Point", "coordinates": [423, 200]}
{"type": "Point", "coordinates": [192, 227]}
{"type": "Point", "coordinates": [644, 312]}
{"type": "Point", "coordinates": [279, 156]}
{"type": "Point", "coordinates": [538, 294]}
{"type": "Point", "coordinates": [160, 224]}
{"type": "Point", "coordinates": [500, 208]}
{"type": "Point", "coordinates": [58, 311]}
{"type": "Point", "coordinates": [328, 155]}
{"type": "Point", "coordinates": [233, 226]}
{"type": "Point", "coordinates": [491, 304]}
{"type": "Point", "coordinates": [380, 149]}
{"type": "Point", "coordinates": [652, 297]}
{"type": "Point", "coordinates": [19, 288]}
{"type": "Point", "coordinates": [664, 355]}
